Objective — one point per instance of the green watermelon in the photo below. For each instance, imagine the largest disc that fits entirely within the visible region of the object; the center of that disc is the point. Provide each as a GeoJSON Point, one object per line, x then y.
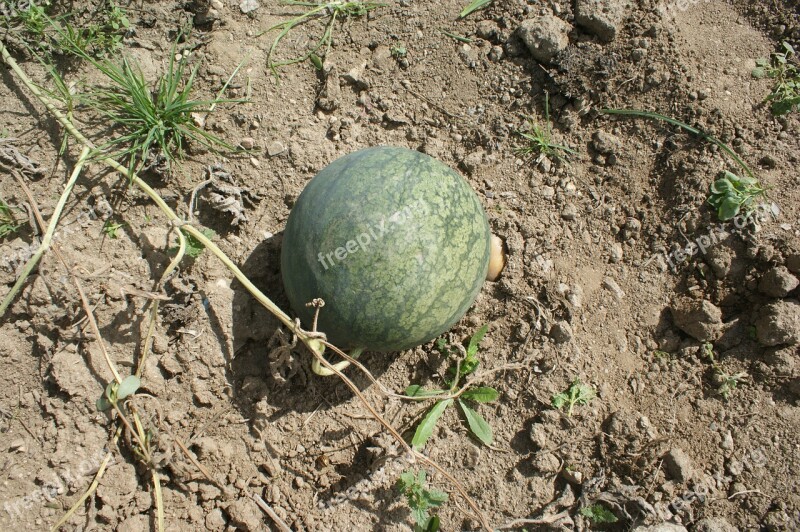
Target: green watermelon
{"type": "Point", "coordinates": [394, 241]}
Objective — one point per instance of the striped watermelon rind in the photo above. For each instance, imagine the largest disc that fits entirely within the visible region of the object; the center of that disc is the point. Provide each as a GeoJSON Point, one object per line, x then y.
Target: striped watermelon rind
{"type": "Point", "coordinates": [394, 241]}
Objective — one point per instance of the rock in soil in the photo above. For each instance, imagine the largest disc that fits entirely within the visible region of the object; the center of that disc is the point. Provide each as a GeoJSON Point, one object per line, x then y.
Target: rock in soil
{"type": "Point", "coordinates": [713, 524]}
{"type": "Point", "coordinates": [701, 320]}
{"type": "Point", "coordinates": [245, 515]}
{"type": "Point", "coordinates": [663, 527]}
{"type": "Point", "coordinates": [600, 17]}
{"type": "Point", "coordinates": [778, 282]}
{"type": "Point", "coordinates": [679, 465]}
{"type": "Point", "coordinates": [545, 36]}
{"type": "Point", "coordinates": [779, 323]}
{"type": "Point", "coordinates": [561, 332]}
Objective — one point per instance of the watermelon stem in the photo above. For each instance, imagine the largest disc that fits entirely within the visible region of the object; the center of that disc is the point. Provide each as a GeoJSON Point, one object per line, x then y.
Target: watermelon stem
{"type": "Point", "coordinates": [319, 369]}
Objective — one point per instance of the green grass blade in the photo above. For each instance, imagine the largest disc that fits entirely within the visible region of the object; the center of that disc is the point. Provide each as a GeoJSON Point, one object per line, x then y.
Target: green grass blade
{"type": "Point", "coordinates": [473, 6]}
{"type": "Point", "coordinates": [702, 134]}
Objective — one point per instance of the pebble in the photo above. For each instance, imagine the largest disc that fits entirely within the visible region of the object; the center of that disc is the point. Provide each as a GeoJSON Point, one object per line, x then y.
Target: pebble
{"type": "Point", "coordinates": [679, 465]}
{"type": "Point", "coordinates": [615, 289]}
{"type": "Point", "coordinates": [727, 441]}
{"type": "Point", "coordinates": [570, 212]}
{"type": "Point", "coordinates": [248, 6]}
{"type": "Point", "coordinates": [247, 143]}
{"type": "Point", "coordinates": [275, 148]}
{"type": "Point", "coordinates": [778, 282]}
{"type": "Point", "coordinates": [561, 332]}
{"type": "Point", "coordinates": [548, 192]}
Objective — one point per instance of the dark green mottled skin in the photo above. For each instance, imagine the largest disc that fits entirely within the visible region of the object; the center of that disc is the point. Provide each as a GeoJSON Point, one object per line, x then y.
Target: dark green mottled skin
{"type": "Point", "coordinates": [413, 283]}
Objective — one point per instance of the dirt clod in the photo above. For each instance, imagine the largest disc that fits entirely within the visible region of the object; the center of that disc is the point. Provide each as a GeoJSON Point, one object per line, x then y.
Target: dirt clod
{"type": "Point", "coordinates": [778, 282]}
{"type": "Point", "coordinates": [545, 36]}
{"type": "Point", "coordinates": [779, 323]}
{"type": "Point", "coordinates": [701, 320]}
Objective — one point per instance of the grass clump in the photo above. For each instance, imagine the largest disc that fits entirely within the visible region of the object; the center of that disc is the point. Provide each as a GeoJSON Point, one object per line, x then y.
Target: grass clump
{"type": "Point", "coordinates": [457, 392]}
{"type": "Point", "coordinates": [540, 138]}
{"type": "Point", "coordinates": [421, 500]}
{"type": "Point", "coordinates": [785, 94]}
{"type": "Point", "coordinates": [331, 10]}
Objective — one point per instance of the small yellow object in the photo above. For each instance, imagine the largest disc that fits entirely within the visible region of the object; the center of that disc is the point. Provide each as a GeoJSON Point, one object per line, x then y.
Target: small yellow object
{"type": "Point", "coordinates": [497, 259]}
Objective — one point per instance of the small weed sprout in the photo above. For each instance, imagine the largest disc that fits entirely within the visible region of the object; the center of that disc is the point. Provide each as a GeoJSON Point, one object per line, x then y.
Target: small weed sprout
{"type": "Point", "coordinates": [8, 222]}
{"type": "Point", "coordinates": [785, 95]}
{"type": "Point", "coordinates": [726, 382]}
{"type": "Point", "coordinates": [599, 514]}
{"type": "Point", "coordinates": [398, 52]}
{"type": "Point", "coordinates": [333, 9]}
{"type": "Point", "coordinates": [540, 138]}
{"type": "Point", "coordinates": [731, 194]}
{"type": "Point", "coordinates": [421, 500]}
{"type": "Point", "coordinates": [110, 228]}
{"type": "Point", "coordinates": [576, 395]}
{"type": "Point", "coordinates": [479, 394]}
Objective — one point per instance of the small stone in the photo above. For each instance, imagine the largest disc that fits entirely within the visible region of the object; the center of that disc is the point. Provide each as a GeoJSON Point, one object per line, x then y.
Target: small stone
{"type": "Point", "coordinates": [600, 17]}
{"type": "Point", "coordinates": [548, 192]}
{"type": "Point", "coordinates": [255, 162]}
{"type": "Point", "coordinates": [18, 446]}
{"type": "Point", "coordinates": [247, 143]}
{"type": "Point", "coordinates": [679, 465]}
{"type": "Point", "coordinates": [248, 6]}
{"type": "Point", "coordinates": [545, 36]}
{"type": "Point", "coordinates": [570, 212]}
{"type": "Point", "coordinates": [663, 527]}
{"type": "Point", "coordinates": [615, 289]}
{"type": "Point", "coordinates": [215, 520]}
{"type": "Point", "coordinates": [727, 441]}
{"type": "Point", "coordinates": [275, 148]}
{"type": "Point", "coordinates": [778, 282]}
{"type": "Point", "coordinates": [245, 515]}
{"type": "Point", "coordinates": [701, 320]}
{"type": "Point", "coordinates": [616, 252]}
{"type": "Point", "coordinates": [561, 332]}
{"type": "Point", "coordinates": [573, 477]}
{"type": "Point", "coordinates": [779, 323]}
{"type": "Point", "coordinates": [546, 463]}
{"type": "Point", "coordinates": [714, 524]}
{"type": "Point", "coordinates": [605, 143]}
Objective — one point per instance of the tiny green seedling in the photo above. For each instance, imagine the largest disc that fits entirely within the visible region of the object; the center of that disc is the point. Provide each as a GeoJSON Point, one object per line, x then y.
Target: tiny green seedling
{"type": "Point", "coordinates": [599, 514]}
{"type": "Point", "coordinates": [479, 394]}
{"type": "Point", "coordinates": [8, 222]}
{"type": "Point", "coordinates": [726, 382]}
{"type": "Point", "coordinates": [474, 6]}
{"type": "Point", "coordinates": [116, 392]}
{"type": "Point", "coordinates": [785, 95]}
{"type": "Point", "coordinates": [398, 52]}
{"type": "Point", "coordinates": [540, 138]}
{"type": "Point", "coordinates": [110, 228]}
{"type": "Point", "coordinates": [576, 395]}
{"type": "Point", "coordinates": [421, 500]}
{"type": "Point", "coordinates": [333, 10]}
{"type": "Point", "coordinates": [194, 248]}
{"type": "Point", "coordinates": [732, 194]}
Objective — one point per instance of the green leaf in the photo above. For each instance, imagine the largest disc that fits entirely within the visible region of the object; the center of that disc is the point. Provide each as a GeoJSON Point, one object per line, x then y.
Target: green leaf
{"type": "Point", "coordinates": [415, 390]}
{"type": "Point", "coordinates": [426, 426]}
{"type": "Point", "coordinates": [482, 394]}
{"type": "Point", "coordinates": [758, 72]}
{"type": "Point", "coordinates": [432, 525]}
{"type": "Point", "coordinates": [474, 342]}
{"type": "Point", "coordinates": [473, 6]}
{"type": "Point", "coordinates": [477, 425]}
{"type": "Point", "coordinates": [559, 400]}
{"type": "Point", "coordinates": [721, 186]}
{"type": "Point", "coordinates": [598, 514]}
{"type": "Point", "coordinates": [128, 386]}
{"type": "Point", "coordinates": [729, 208]}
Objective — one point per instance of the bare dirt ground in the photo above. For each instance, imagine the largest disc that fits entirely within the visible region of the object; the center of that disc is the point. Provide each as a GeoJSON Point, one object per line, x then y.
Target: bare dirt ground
{"type": "Point", "coordinates": [593, 288]}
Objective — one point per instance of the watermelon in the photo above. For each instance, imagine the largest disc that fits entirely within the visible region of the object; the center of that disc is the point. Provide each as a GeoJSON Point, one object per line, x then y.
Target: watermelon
{"type": "Point", "coordinates": [394, 241]}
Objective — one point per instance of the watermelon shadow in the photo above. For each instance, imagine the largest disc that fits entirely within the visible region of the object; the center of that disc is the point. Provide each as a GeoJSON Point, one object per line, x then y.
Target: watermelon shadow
{"type": "Point", "coordinates": [286, 383]}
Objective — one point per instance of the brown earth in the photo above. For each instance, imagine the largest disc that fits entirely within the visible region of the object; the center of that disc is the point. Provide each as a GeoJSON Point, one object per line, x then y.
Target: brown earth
{"type": "Point", "coordinates": [589, 290]}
